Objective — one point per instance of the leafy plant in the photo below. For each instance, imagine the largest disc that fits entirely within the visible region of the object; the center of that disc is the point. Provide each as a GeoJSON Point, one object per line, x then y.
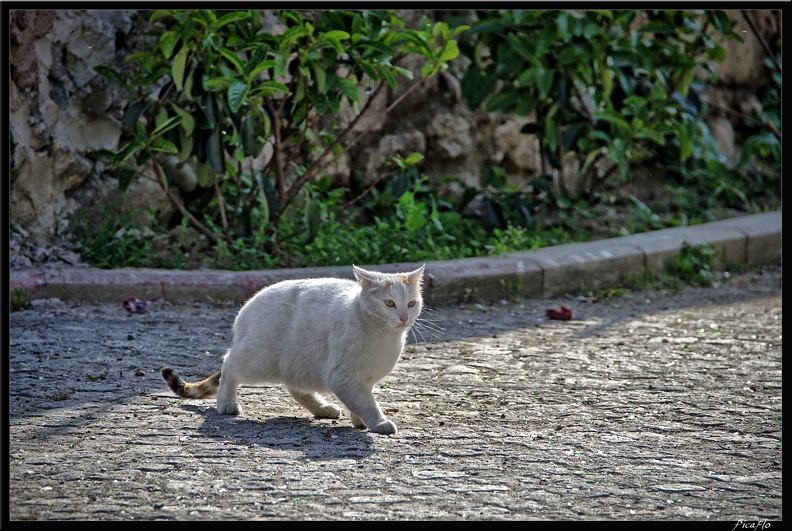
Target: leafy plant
{"type": "Point", "coordinates": [694, 264]}
{"type": "Point", "coordinates": [216, 91]}
{"type": "Point", "coordinates": [20, 299]}
{"type": "Point", "coordinates": [115, 239]}
{"type": "Point", "coordinates": [759, 167]}
{"type": "Point", "coordinates": [408, 225]}
{"type": "Point", "coordinates": [613, 88]}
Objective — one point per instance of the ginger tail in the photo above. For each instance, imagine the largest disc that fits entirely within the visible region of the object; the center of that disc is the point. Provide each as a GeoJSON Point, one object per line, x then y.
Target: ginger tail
{"type": "Point", "coordinates": [204, 389]}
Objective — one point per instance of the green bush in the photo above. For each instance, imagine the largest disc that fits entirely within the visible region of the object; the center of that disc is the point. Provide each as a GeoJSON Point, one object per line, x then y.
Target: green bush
{"type": "Point", "coordinates": [117, 238]}
{"type": "Point", "coordinates": [214, 88]}
{"type": "Point", "coordinates": [694, 264]}
{"type": "Point", "coordinates": [614, 88]}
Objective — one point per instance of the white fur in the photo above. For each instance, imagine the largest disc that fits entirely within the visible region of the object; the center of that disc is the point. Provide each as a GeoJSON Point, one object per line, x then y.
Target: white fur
{"type": "Point", "coordinates": [324, 335]}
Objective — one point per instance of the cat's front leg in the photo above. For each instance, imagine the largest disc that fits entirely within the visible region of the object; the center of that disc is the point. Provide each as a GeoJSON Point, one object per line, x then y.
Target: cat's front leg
{"type": "Point", "coordinates": [363, 407]}
{"type": "Point", "coordinates": [386, 427]}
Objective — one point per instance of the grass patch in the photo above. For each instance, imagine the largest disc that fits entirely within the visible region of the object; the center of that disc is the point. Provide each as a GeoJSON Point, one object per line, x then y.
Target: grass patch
{"type": "Point", "coordinates": [20, 299]}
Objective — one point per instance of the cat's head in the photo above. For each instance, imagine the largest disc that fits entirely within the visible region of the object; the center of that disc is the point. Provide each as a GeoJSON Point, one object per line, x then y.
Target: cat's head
{"type": "Point", "coordinates": [394, 298]}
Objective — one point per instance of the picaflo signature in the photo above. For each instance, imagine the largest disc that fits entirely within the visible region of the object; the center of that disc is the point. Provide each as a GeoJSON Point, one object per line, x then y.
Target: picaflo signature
{"type": "Point", "coordinates": [756, 526]}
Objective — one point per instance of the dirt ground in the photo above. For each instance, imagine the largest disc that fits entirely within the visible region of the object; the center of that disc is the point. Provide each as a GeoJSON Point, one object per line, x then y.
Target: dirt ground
{"type": "Point", "coordinates": [647, 407]}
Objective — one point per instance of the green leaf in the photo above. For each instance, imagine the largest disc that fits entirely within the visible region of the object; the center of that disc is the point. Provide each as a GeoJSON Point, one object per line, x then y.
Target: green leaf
{"type": "Point", "coordinates": [658, 26]}
{"type": "Point", "coordinates": [562, 27]}
{"type": "Point", "coordinates": [525, 106]}
{"type": "Point", "coordinates": [164, 146]}
{"type": "Point", "coordinates": [653, 135]}
{"type": "Point", "coordinates": [319, 77]}
{"type": "Point", "coordinates": [591, 29]}
{"type": "Point", "coordinates": [544, 80]}
{"type": "Point", "coordinates": [237, 92]}
{"type": "Point", "coordinates": [233, 58]}
{"type": "Point", "coordinates": [349, 89]}
{"type": "Point", "coordinates": [338, 35]}
{"type": "Point", "coordinates": [232, 17]}
{"type": "Point", "coordinates": [521, 44]}
{"type": "Point", "coordinates": [375, 48]}
{"type": "Point", "coordinates": [187, 142]}
{"type": "Point", "coordinates": [613, 117]}
{"type": "Point", "coordinates": [551, 130]}
{"type": "Point", "coordinates": [403, 71]}
{"type": "Point", "coordinates": [125, 179]}
{"type": "Point", "coordinates": [450, 51]}
{"type": "Point", "coordinates": [504, 100]}
{"type": "Point", "coordinates": [166, 125]}
{"type": "Point", "coordinates": [133, 113]}
{"type": "Point", "coordinates": [249, 137]}
{"type": "Point", "coordinates": [168, 41]}
{"type": "Point", "coordinates": [494, 176]}
{"type": "Point", "coordinates": [684, 85]}
{"type": "Point", "coordinates": [218, 82]}
{"type": "Point", "coordinates": [112, 75]}
{"type": "Point", "coordinates": [177, 69]}
{"type": "Point", "coordinates": [261, 67]}
{"type": "Point", "coordinates": [389, 77]}
{"type": "Point", "coordinates": [590, 158]}
{"type": "Point", "coordinates": [717, 53]}
{"type": "Point", "coordinates": [160, 15]}
{"type": "Point", "coordinates": [477, 85]}
{"type": "Point", "coordinates": [269, 88]}
{"type": "Point", "coordinates": [267, 129]}
{"type": "Point", "coordinates": [204, 173]}
{"type": "Point", "coordinates": [188, 85]}
{"type": "Point", "coordinates": [459, 29]}
{"type": "Point", "coordinates": [106, 153]}
{"type": "Point", "coordinates": [281, 60]}
{"type": "Point", "coordinates": [126, 152]}
{"type": "Point", "coordinates": [334, 43]}
{"type": "Point", "coordinates": [571, 134]}
{"type": "Point", "coordinates": [570, 56]}
{"type": "Point", "coordinates": [606, 78]}
{"type": "Point", "coordinates": [187, 122]}
{"type": "Point", "coordinates": [413, 159]}
{"type": "Point", "coordinates": [214, 150]}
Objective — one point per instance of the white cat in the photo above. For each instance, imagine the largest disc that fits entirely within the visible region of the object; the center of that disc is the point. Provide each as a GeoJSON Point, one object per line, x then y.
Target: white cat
{"type": "Point", "coordinates": [318, 335]}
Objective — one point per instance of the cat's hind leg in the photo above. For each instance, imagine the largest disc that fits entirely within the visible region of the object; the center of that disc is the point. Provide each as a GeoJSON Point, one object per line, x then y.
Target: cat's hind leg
{"type": "Point", "coordinates": [227, 394]}
{"type": "Point", "coordinates": [317, 405]}
{"type": "Point", "coordinates": [356, 421]}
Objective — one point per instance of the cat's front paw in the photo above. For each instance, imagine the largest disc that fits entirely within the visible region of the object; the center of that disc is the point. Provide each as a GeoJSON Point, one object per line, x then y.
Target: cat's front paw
{"type": "Point", "coordinates": [228, 408]}
{"type": "Point", "coordinates": [385, 428]}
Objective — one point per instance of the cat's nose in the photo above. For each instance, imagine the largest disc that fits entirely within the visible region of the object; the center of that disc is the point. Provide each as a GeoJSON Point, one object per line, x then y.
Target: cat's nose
{"type": "Point", "coordinates": [403, 319]}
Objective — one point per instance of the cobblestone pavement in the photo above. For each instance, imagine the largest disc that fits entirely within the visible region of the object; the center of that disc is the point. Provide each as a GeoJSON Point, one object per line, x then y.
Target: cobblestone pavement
{"type": "Point", "coordinates": [651, 406]}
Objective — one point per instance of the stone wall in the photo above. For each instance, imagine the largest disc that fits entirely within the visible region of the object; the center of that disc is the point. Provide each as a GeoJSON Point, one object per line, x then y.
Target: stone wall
{"type": "Point", "coordinates": [62, 112]}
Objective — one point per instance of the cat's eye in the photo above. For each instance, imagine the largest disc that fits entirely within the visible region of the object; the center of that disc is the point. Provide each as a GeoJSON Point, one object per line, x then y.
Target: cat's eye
{"type": "Point", "coordinates": [389, 303]}
{"type": "Point", "coordinates": [411, 304]}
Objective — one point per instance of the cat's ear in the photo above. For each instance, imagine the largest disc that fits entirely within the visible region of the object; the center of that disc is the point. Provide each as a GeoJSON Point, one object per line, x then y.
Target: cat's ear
{"type": "Point", "coordinates": [416, 277]}
{"type": "Point", "coordinates": [364, 278]}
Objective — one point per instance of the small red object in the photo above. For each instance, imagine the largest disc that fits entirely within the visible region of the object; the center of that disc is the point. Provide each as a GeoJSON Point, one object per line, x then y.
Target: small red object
{"type": "Point", "coordinates": [562, 313]}
{"type": "Point", "coordinates": [135, 305]}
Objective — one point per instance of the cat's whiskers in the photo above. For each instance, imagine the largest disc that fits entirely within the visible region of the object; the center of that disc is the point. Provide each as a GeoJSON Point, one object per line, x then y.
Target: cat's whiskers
{"type": "Point", "coordinates": [428, 324]}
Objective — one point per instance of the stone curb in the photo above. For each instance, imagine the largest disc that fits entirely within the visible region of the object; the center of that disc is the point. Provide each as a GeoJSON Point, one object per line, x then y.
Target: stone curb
{"type": "Point", "coordinates": [545, 273]}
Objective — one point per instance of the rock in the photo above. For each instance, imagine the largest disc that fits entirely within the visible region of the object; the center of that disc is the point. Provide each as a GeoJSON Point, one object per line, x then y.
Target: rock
{"type": "Point", "coordinates": [448, 136]}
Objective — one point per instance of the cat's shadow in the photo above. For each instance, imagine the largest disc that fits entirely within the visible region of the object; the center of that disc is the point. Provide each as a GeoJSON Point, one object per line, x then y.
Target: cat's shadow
{"type": "Point", "coordinates": [314, 438]}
